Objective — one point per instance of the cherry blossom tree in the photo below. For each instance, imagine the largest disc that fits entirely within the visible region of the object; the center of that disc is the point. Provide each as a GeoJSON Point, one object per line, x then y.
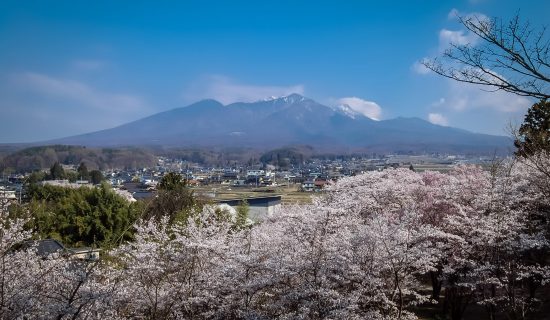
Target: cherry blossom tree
{"type": "Point", "coordinates": [47, 287]}
{"type": "Point", "coordinates": [364, 249]}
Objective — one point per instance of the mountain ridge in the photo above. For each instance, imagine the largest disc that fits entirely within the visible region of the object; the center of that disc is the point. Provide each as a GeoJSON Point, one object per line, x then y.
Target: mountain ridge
{"type": "Point", "coordinates": [287, 120]}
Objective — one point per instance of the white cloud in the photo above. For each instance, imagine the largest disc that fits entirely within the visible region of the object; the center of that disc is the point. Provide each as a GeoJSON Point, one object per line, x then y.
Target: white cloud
{"type": "Point", "coordinates": [463, 96]}
{"type": "Point", "coordinates": [41, 107]}
{"type": "Point", "coordinates": [453, 14]}
{"type": "Point", "coordinates": [367, 108]}
{"type": "Point", "coordinates": [473, 107]}
{"type": "Point", "coordinates": [438, 118]}
{"type": "Point", "coordinates": [420, 68]}
{"type": "Point", "coordinates": [456, 37]}
{"type": "Point", "coordinates": [59, 107]}
{"type": "Point", "coordinates": [79, 92]}
{"type": "Point", "coordinates": [439, 103]}
{"type": "Point", "coordinates": [225, 90]}
{"type": "Point", "coordinates": [459, 37]}
{"type": "Point", "coordinates": [448, 37]}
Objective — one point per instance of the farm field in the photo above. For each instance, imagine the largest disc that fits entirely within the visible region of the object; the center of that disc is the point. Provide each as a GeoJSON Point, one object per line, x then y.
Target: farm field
{"type": "Point", "coordinates": [290, 194]}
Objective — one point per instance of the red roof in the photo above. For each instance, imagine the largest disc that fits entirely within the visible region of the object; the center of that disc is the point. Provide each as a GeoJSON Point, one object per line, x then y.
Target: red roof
{"type": "Point", "coordinates": [320, 183]}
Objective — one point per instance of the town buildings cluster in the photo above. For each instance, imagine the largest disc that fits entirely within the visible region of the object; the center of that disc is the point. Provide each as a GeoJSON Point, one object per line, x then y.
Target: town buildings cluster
{"type": "Point", "coordinates": [310, 176]}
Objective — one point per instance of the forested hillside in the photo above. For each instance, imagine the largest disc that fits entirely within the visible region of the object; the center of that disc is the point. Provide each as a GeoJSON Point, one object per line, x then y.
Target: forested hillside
{"type": "Point", "coordinates": [43, 157]}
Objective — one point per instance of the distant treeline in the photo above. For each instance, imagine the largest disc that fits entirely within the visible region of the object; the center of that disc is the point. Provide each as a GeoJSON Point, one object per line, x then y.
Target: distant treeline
{"type": "Point", "coordinates": [284, 157]}
{"type": "Point", "coordinates": [43, 157]}
{"type": "Point", "coordinates": [209, 156]}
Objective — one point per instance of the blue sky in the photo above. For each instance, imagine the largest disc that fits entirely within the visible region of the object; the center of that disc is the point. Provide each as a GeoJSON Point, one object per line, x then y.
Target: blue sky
{"type": "Point", "coordinates": [70, 67]}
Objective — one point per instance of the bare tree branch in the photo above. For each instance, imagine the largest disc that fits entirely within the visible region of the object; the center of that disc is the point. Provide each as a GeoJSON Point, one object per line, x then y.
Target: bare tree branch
{"type": "Point", "coordinates": [511, 57]}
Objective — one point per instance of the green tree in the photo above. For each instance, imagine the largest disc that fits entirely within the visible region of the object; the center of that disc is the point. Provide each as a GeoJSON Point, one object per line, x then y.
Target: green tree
{"type": "Point", "coordinates": [174, 200]}
{"type": "Point", "coordinates": [242, 214]}
{"type": "Point", "coordinates": [534, 134]}
{"type": "Point", "coordinates": [172, 181]}
{"type": "Point", "coordinates": [85, 216]}
{"type": "Point", "coordinates": [72, 176]}
{"type": "Point", "coordinates": [83, 173]}
{"type": "Point", "coordinates": [37, 177]}
{"type": "Point", "coordinates": [96, 177]}
{"type": "Point", "coordinates": [57, 172]}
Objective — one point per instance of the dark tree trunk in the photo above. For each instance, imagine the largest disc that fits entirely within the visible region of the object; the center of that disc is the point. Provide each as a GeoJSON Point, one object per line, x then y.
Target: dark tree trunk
{"type": "Point", "coordinates": [455, 302]}
{"type": "Point", "coordinates": [436, 284]}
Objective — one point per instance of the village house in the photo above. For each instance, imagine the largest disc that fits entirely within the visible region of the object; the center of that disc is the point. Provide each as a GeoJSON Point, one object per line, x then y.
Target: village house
{"type": "Point", "coordinates": [47, 247]}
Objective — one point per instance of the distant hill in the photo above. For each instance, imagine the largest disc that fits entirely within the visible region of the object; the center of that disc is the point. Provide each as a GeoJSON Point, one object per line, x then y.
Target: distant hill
{"type": "Point", "coordinates": [284, 157]}
{"type": "Point", "coordinates": [43, 157]}
{"type": "Point", "coordinates": [5, 150]}
{"type": "Point", "coordinates": [290, 120]}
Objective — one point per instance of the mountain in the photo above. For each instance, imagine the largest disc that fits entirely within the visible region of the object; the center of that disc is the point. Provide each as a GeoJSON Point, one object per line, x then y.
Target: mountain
{"type": "Point", "coordinates": [289, 120]}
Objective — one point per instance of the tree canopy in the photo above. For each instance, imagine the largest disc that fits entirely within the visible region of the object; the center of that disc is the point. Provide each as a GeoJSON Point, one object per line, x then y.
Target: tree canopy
{"type": "Point", "coordinates": [366, 249]}
{"type": "Point", "coordinates": [172, 181]}
{"type": "Point", "coordinates": [96, 176]}
{"type": "Point", "coordinates": [174, 200]}
{"type": "Point", "coordinates": [534, 133]}
{"type": "Point", "coordinates": [84, 216]}
{"type": "Point", "coordinates": [57, 172]}
{"type": "Point", "coordinates": [83, 171]}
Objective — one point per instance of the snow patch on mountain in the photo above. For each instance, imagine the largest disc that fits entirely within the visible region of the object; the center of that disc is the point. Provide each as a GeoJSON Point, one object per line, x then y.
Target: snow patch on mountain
{"type": "Point", "coordinates": [346, 110]}
{"type": "Point", "coordinates": [292, 98]}
{"type": "Point", "coordinates": [369, 109]}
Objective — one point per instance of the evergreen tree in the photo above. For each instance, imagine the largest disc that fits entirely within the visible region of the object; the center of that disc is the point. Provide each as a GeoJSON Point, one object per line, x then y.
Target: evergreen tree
{"type": "Point", "coordinates": [57, 172]}
{"type": "Point", "coordinates": [534, 133]}
{"type": "Point", "coordinates": [174, 200]}
{"type": "Point", "coordinates": [83, 173]}
{"type": "Point", "coordinates": [242, 214]}
{"type": "Point", "coordinates": [96, 176]}
{"type": "Point", "coordinates": [172, 181]}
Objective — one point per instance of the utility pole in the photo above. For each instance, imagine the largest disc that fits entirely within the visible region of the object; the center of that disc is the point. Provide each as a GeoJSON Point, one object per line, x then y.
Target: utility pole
{"type": "Point", "coordinates": [21, 188]}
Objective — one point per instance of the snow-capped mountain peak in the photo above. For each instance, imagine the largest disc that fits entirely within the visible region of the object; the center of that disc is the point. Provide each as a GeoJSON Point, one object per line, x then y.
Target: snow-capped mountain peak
{"type": "Point", "coordinates": [291, 98]}
{"type": "Point", "coordinates": [287, 120]}
{"type": "Point", "coordinates": [346, 110]}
